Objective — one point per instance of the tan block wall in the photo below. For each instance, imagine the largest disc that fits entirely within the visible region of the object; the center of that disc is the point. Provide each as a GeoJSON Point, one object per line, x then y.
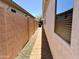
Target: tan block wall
{"type": "Point", "coordinates": [14, 33]}
{"type": "Point", "coordinates": [31, 27]}
{"type": "Point", "coordinates": [59, 48]}
{"type": "Point", "coordinates": [3, 46]}
{"type": "Point", "coordinates": [17, 33]}
{"type": "Point", "coordinates": [36, 25]}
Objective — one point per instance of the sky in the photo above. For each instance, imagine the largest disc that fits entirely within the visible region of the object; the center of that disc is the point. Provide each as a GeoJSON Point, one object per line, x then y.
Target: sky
{"type": "Point", "coordinates": [64, 5]}
{"type": "Point", "coordinates": [34, 7]}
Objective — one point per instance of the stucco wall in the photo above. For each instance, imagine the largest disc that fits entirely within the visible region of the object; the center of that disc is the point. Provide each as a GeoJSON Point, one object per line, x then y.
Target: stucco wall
{"type": "Point", "coordinates": [59, 48]}
{"type": "Point", "coordinates": [8, 8]}
{"type": "Point", "coordinates": [15, 31]}
{"type": "Point", "coordinates": [75, 30]}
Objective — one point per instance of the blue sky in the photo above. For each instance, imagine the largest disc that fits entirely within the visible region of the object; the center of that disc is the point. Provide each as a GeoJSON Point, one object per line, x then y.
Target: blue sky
{"type": "Point", "coordinates": [32, 6]}
{"type": "Point", "coordinates": [64, 5]}
{"type": "Point", "coordinates": [35, 6]}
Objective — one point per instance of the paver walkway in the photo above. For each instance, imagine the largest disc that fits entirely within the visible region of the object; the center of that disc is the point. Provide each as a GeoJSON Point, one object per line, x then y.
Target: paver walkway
{"type": "Point", "coordinates": [32, 49]}
{"type": "Point", "coordinates": [36, 51]}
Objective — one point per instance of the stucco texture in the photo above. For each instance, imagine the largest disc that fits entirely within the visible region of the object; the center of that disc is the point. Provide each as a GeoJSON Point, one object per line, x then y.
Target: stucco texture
{"type": "Point", "coordinates": [15, 31]}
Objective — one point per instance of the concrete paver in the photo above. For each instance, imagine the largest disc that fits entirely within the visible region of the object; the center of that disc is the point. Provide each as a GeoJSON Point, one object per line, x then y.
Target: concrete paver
{"type": "Point", "coordinates": [36, 51]}
{"type": "Point", "coordinates": [32, 49]}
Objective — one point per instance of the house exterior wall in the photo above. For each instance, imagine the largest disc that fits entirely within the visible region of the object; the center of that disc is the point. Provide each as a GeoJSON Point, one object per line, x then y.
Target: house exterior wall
{"type": "Point", "coordinates": [59, 48]}
{"type": "Point", "coordinates": [14, 33]}
{"type": "Point", "coordinates": [5, 6]}
{"type": "Point", "coordinates": [8, 8]}
{"type": "Point", "coordinates": [63, 25]}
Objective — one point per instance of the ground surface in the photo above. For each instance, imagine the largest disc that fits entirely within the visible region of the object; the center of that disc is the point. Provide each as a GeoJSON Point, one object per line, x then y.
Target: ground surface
{"type": "Point", "coordinates": [32, 49]}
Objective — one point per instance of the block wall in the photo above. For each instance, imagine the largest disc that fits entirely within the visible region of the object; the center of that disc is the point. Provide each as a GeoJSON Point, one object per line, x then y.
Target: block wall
{"type": "Point", "coordinates": [15, 31]}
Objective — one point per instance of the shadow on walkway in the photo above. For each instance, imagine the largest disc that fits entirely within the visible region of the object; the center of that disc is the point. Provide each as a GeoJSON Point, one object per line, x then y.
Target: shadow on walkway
{"type": "Point", "coordinates": [46, 53]}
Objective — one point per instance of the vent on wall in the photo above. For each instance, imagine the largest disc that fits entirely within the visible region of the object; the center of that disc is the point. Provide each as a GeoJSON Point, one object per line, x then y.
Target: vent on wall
{"type": "Point", "coordinates": [12, 10]}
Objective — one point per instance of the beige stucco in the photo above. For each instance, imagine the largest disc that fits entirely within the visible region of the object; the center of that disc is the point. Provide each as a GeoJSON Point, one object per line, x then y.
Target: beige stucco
{"type": "Point", "coordinates": [59, 48]}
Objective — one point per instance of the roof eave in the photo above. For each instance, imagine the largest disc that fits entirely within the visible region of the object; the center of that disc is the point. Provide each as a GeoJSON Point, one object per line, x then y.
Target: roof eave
{"type": "Point", "coordinates": [14, 5]}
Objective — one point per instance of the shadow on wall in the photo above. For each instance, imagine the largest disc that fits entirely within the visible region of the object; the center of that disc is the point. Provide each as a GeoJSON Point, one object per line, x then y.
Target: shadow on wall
{"type": "Point", "coordinates": [46, 53]}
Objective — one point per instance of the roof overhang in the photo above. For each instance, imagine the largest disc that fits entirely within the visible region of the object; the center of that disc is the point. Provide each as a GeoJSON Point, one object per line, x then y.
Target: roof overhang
{"type": "Point", "coordinates": [14, 5]}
